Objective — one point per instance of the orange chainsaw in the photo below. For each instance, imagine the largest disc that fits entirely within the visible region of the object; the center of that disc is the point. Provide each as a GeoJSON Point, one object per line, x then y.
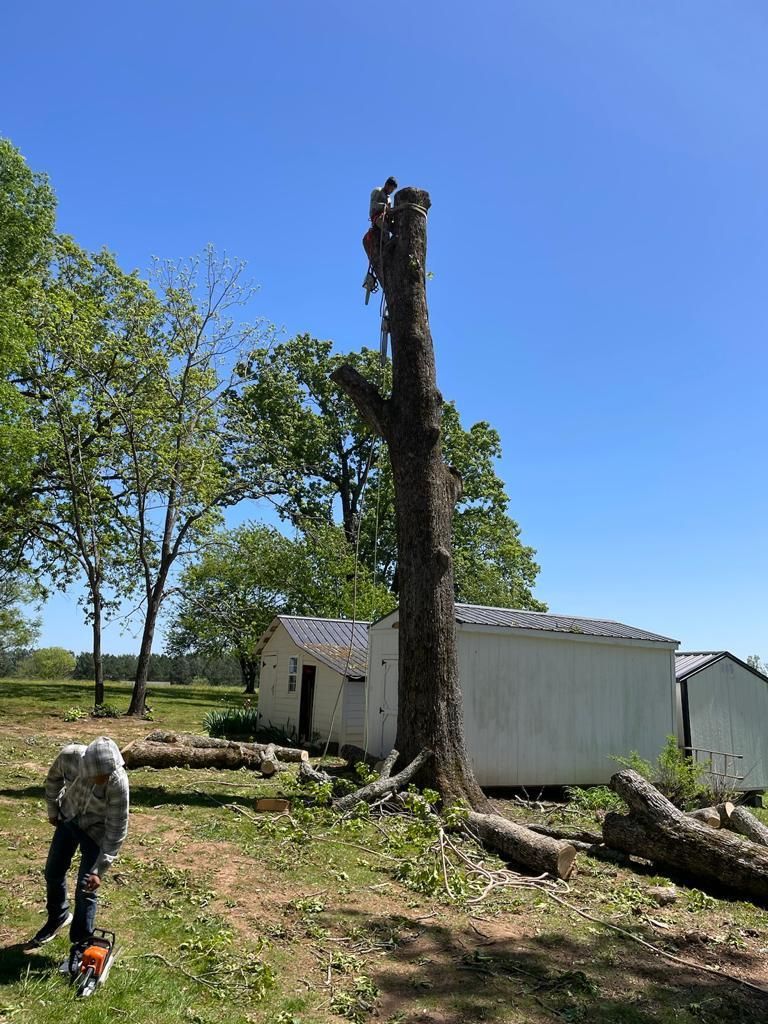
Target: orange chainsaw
{"type": "Point", "coordinates": [90, 962]}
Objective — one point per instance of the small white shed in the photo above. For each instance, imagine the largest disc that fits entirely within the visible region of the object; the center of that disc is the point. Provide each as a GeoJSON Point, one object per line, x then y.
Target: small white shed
{"type": "Point", "coordinates": [548, 699]}
{"type": "Point", "coordinates": [312, 677]}
{"type": "Point", "coordinates": [724, 707]}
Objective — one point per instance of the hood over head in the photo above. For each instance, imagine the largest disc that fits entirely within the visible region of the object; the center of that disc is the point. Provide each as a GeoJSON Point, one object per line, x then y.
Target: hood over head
{"type": "Point", "coordinates": [102, 757]}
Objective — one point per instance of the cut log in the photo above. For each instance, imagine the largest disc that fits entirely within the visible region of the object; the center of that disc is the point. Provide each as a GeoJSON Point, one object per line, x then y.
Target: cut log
{"type": "Point", "coordinates": [291, 754]}
{"type": "Point", "coordinates": [528, 849]}
{"type": "Point", "coordinates": [269, 763]}
{"type": "Point", "coordinates": [657, 830]}
{"type": "Point", "coordinates": [568, 835]}
{"type": "Point", "coordinates": [375, 790]}
{"type": "Point", "coordinates": [707, 816]}
{"type": "Point", "coordinates": [725, 811]}
{"type": "Point", "coordinates": [141, 754]}
{"type": "Point", "coordinates": [267, 804]}
{"type": "Point", "coordinates": [746, 824]}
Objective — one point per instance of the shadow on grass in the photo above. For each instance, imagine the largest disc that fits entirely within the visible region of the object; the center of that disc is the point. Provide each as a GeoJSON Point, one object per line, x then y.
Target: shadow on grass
{"type": "Point", "coordinates": [152, 796]}
{"type": "Point", "coordinates": [462, 976]}
{"type": "Point", "coordinates": [18, 959]}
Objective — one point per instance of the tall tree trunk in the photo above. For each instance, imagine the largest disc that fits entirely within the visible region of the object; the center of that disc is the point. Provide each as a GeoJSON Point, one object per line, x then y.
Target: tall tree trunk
{"type": "Point", "coordinates": [98, 664]}
{"type": "Point", "coordinates": [248, 672]}
{"type": "Point", "coordinates": [429, 698]}
{"type": "Point", "coordinates": [137, 706]}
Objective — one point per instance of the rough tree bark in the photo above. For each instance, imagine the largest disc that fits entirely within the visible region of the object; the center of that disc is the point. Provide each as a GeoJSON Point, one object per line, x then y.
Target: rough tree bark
{"type": "Point", "coordinates": [657, 830]}
{"type": "Point", "coordinates": [429, 698]}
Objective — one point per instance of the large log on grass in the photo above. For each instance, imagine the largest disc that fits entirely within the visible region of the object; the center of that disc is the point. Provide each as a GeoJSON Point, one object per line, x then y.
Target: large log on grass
{"type": "Point", "coordinates": [189, 739]}
{"type": "Point", "coordinates": [141, 754]}
{"type": "Point", "coordinates": [656, 830]}
{"type": "Point", "coordinates": [530, 850]}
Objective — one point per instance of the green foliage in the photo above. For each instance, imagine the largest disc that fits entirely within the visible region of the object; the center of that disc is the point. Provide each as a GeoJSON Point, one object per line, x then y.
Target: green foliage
{"type": "Point", "coordinates": [322, 456]}
{"type": "Point", "coordinates": [17, 630]}
{"type": "Point", "coordinates": [224, 722]}
{"type": "Point", "coordinates": [75, 714]}
{"type": "Point", "coordinates": [699, 902]}
{"type": "Point", "coordinates": [595, 798]}
{"type": "Point", "coordinates": [106, 711]}
{"type": "Point", "coordinates": [358, 1002]}
{"type": "Point", "coordinates": [678, 777]}
{"type": "Point", "coordinates": [48, 663]}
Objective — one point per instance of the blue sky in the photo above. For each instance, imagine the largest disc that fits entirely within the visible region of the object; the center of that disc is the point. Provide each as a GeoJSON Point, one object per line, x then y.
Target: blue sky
{"type": "Point", "coordinates": [598, 236]}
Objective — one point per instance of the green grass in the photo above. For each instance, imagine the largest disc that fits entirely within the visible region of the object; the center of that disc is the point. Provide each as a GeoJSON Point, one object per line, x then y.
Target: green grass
{"type": "Point", "coordinates": [286, 924]}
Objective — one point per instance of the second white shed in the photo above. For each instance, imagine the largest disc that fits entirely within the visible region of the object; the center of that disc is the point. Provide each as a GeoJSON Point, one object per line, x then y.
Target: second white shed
{"type": "Point", "coordinates": [548, 699]}
{"type": "Point", "coordinates": [724, 707]}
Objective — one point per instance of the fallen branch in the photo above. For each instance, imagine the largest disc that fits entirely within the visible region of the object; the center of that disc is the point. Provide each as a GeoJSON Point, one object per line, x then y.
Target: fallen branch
{"type": "Point", "coordinates": [375, 790]}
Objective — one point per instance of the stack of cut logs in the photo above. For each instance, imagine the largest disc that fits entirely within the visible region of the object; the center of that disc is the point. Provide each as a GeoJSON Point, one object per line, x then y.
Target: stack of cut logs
{"type": "Point", "coordinates": [185, 750]}
{"type": "Point", "coordinates": [702, 845]}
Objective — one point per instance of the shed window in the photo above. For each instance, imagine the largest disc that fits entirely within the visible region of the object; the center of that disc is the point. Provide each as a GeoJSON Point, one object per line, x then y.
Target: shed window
{"type": "Point", "coordinates": [293, 669]}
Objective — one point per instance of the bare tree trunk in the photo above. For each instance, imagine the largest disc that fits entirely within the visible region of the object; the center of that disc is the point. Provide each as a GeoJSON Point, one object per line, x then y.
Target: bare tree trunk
{"type": "Point", "coordinates": [137, 706]}
{"type": "Point", "coordinates": [98, 663]}
{"type": "Point", "coordinates": [429, 699]}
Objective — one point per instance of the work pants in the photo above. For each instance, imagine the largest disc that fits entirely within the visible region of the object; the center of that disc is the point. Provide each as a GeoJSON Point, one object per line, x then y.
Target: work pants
{"type": "Point", "coordinates": [66, 840]}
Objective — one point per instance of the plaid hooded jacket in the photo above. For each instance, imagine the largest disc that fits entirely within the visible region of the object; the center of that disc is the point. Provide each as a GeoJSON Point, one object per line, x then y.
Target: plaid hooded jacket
{"type": "Point", "coordinates": [100, 811]}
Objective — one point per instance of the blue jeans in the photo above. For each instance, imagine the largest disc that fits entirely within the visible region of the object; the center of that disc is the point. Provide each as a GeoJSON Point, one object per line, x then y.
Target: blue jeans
{"type": "Point", "coordinates": [66, 839]}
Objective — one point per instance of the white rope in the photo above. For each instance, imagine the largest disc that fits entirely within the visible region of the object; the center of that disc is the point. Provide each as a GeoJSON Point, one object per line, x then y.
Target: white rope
{"type": "Point", "coordinates": [354, 600]}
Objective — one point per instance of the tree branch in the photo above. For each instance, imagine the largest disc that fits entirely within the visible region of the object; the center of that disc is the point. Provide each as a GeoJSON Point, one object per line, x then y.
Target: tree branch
{"type": "Point", "coordinates": [366, 396]}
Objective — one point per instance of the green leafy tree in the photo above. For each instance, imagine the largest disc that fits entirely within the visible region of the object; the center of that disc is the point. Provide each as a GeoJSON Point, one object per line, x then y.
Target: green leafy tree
{"type": "Point", "coordinates": [17, 630]}
{"type": "Point", "coordinates": [302, 435]}
{"type": "Point", "coordinates": [27, 214]}
{"type": "Point", "coordinates": [165, 395]}
{"type": "Point", "coordinates": [67, 527]}
{"type": "Point", "coordinates": [244, 578]}
{"type": "Point", "coordinates": [49, 663]}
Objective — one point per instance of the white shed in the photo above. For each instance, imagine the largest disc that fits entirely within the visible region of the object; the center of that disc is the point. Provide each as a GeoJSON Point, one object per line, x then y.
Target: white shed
{"type": "Point", "coordinates": [548, 699]}
{"type": "Point", "coordinates": [312, 677]}
{"type": "Point", "coordinates": [724, 706]}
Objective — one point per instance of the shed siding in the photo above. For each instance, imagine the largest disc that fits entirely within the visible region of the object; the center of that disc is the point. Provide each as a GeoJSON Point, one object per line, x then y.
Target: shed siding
{"type": "Point", "coordinates": [541, 709]}
{"type": "Point", "coordinates": [281, 707]}
{"type": "Point", "coordinates": [353, 730]}
{"type": "Point", "coordinates": [552, 711]}
{"type": "Point", "coordinates": [728, 711]}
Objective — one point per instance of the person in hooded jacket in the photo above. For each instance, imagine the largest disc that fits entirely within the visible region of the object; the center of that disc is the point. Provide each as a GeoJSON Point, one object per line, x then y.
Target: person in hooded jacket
{"type": "Point", "coordinates": [87, 796]}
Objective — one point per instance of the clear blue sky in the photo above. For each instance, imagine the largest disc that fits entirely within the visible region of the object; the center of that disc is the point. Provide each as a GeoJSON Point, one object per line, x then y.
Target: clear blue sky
{"type": "Point", "coordinates": [598, 236]}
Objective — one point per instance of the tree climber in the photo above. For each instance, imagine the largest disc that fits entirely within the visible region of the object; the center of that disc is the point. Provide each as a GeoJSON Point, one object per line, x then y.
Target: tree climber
{"type": "Point", "coordinates": [372, 240]}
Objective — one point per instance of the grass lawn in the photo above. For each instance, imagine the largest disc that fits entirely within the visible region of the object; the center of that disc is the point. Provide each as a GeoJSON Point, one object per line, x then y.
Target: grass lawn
{"type": "Point", "coordinates": [225, 915]}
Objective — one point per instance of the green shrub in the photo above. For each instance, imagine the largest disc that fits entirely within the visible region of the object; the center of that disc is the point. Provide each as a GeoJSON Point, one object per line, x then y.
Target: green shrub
{"type": "Point", "coordinates": [225, 722]}
{"type": "Point", "coordinates": [106, 711]}
{"type": "Point", "coordinates": [681, 779]}
{"type": "Point", "coordinates": [595, 798]}
{"type": "Point", "coordinates": [74, 714]}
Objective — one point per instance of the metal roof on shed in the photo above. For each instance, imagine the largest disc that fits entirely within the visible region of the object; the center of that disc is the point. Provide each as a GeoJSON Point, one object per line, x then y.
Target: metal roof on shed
{"type": "Point", "coordinates": [479, 615]}
{"type": "Point", "coordinates": [327, 640]}
{"type": "Point", "coordinates": [688, 663]}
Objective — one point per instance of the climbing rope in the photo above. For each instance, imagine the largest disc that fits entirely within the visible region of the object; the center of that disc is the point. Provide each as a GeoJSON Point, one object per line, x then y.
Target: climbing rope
{"type": "Point", "coordinates": [375, 448]}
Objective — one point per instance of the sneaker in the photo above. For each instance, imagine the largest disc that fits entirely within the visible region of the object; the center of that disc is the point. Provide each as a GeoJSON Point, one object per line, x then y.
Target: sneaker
{"type": "Point", "coordinates": [50, 930]}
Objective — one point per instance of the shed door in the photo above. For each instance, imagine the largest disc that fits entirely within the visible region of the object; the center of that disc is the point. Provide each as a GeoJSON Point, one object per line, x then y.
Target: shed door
{"type": "Point", "coordinates": [307, 702]}
{"type": "Point", "coordinates": [268, 674]}
{"type": "Point", "coordinates": [388, 708]}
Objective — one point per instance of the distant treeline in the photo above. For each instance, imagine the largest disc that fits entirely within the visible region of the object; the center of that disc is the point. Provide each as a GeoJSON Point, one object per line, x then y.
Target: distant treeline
{"type": "Point", "coordinates": [181, 670]}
